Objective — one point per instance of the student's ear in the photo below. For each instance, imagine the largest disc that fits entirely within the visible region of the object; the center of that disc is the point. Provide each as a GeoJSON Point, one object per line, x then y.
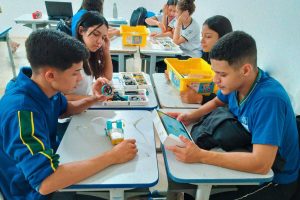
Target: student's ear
{"type": "Point", "coordinates": [80, 30]}
{"type": "Point", "coordinates": [246, 69]}
{"type": "Point", "coordinates": [49, 75]}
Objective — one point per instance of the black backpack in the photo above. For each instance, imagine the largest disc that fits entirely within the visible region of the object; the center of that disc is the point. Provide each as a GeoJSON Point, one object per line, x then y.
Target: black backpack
{"type": "Point", "coordinates": [64, 26]}
{"type": "Point", "coordinates": [138, 16]}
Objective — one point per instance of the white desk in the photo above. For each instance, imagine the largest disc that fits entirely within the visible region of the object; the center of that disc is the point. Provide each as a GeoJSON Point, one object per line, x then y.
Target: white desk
{"type": "Point", "coordinates": [27, 20]}
{"type": "Point", "coordinates": [117, 22]}
{"type": "Point", "coordinates": [205, 175]}
{"type": "Point", "coordinates": [167, 94]}
{"type": "Point", "coordinates": [117, 48]}
{"type": "Point", "coordinates": [153, 51]}
{"type": "Point", "coordinates": [150, 106]}
{"type": "Point", "coordinates": [85, 138]}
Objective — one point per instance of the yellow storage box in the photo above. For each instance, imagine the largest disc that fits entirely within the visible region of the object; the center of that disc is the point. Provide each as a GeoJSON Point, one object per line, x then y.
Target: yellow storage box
{"type": "Point", "coordinates": [195, 73]}
{"type": "Point", "coordinates": [134, 35]}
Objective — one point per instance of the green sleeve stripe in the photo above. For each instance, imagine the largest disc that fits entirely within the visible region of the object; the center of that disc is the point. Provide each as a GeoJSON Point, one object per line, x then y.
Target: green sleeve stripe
{"type": "Point", "coordinates": [26, 124]}
{"type": "Point", "coordinates": [52, 158]}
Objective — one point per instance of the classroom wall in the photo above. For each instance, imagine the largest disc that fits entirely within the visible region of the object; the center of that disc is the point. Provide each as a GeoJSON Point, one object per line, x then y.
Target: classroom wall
{"type": "Point", "coordinates": [273, 23]}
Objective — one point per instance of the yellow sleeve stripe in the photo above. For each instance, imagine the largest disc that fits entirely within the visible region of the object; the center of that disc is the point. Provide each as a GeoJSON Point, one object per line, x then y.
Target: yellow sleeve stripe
{"type": "Point", "coordinates": [51, 161]}
{"type": "Point", "coordinates": [20, 126]}
{"type": "Point", "coordinates": [32, 125]}
{"type": "Point", "coordinates": [27, 130]}
{"type": "Point", "coordinates": [33, 143]}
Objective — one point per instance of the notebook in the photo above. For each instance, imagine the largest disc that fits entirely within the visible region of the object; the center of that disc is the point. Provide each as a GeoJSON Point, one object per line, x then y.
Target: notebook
{"type": "Point", "coordinates": [57, 10]}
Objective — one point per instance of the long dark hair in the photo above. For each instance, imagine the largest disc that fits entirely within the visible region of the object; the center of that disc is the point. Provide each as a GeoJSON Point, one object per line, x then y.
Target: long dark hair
{"type": "Point", "coordinates": [170, 3]}
{"type": "Point", "coordinates": [92, 5]}
{"type": "Point", "coordinates": [94, 66]}
{"type": "Point", "coordinates": [219, 24]}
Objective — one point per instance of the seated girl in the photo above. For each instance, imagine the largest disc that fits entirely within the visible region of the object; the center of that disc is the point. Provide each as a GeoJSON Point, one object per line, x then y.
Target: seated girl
{"type": "Point", "coordinates": [212, 30]}
{"type": "Point", "coordinates": [163, 19]}
{"type": "Point", "coordinates": [91, 5]}
{"type": "Point", "coordinates": [92, 31]}
{"type": "Point", "coordinates": [186, 31]}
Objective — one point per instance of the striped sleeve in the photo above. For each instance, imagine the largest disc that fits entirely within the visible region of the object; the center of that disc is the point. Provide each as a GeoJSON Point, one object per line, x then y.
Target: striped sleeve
{"type": "Point", "coordinates": [29, 145]}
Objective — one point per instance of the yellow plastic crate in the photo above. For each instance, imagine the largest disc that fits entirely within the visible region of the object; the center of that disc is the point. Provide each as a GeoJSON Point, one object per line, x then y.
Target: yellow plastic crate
{"type": "Point", "coordinates": [193, 72]}
{"type": "Point", "coordinates": [134, 35]}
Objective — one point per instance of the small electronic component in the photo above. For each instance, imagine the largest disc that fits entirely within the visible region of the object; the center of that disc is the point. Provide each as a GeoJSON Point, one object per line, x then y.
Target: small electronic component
{"type": "Point", "coordinates": [114, 130]}
{"type": "Point", "coordinates": [106, 90]}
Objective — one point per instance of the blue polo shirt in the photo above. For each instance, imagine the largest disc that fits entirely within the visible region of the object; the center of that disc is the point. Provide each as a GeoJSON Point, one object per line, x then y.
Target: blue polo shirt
{"type": "Point", "coordinates": [75, 20]}
{"type": "Point", "coordinates": [28, 121]}
{"type": "Point", "coordinates": [266, 112]}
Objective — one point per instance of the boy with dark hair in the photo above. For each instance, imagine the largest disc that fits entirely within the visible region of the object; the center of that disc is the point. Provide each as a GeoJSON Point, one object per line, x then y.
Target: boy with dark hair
{"type": "Point", "coordinates": [30, 107]}
{"type": "Point", "coordinates": [263, 107]}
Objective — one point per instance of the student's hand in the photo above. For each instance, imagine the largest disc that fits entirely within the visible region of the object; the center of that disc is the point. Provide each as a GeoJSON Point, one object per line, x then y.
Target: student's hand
{"type": "Point", "coordinates": [183, 17]}
{"type": "Point", "coordinates": [98, 85]}
{"type": "Point", "coordinates": [162, 27]}
{"type": "Point", "coordinates": [185, 118]}
{"type": "Point", "coordinates": [124, 151]}
{"type": "Point", "coordinates": [191, 153]}
{"type": "Point", "coordinates": [106, 44]}
{"type": "Point", "coordinates": [113, 32]}
{"type": "Point", "coordinates": [167, 75]}
{"type": "Point", "coordinates": [191, 96]}
{"type": "Point", "coordinates": [174, 114]}
{"type": "Point", "coordinates": [154, 34]}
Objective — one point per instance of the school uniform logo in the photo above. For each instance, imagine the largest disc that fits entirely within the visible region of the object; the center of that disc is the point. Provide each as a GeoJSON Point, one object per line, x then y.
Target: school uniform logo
{"type": "Point", "coordinates": [244, 122]}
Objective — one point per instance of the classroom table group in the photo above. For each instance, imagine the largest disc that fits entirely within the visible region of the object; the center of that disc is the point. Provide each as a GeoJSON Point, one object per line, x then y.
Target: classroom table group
{"type": "Point", "coordinates": [85, 136]}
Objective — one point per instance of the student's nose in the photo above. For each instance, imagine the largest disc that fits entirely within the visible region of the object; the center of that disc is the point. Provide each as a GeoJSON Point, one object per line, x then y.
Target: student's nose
{"type": "Point", "coordinates": [201, 39]}
{"type": "Point", "coordinates": [79, 77]}
{"type": "Point", "coordinates": [100, 41]}
{"type": "Point", "coordinates": [216, 79]}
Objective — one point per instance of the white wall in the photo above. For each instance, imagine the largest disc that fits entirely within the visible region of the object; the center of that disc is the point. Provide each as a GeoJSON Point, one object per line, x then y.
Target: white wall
{"type": "Point", "coordinates": [274, 24]}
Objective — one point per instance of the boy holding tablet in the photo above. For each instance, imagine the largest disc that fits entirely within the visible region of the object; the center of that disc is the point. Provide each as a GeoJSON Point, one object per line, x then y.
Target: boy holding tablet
{"type": "Point", "coordinates": [263, 107]}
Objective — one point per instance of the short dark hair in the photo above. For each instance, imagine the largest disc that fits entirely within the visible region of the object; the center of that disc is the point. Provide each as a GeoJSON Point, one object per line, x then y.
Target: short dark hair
{"type": "Point", "coordinates": [53, 48]}
{"type": "Point", "coordinates": [237, 48]}
{"type": "Point", "coordinates": [93, 66]}
{"type": "Point", "coordinates": [93, 5]}
{"type": "Point", "coordinates": [188, 5]}
{"type": "Point", "coordinates": [219, 24]}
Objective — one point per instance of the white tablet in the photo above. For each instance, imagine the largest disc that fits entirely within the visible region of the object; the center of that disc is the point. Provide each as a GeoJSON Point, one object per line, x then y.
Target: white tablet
{"type": "Point", "coordinates": [169, 129]}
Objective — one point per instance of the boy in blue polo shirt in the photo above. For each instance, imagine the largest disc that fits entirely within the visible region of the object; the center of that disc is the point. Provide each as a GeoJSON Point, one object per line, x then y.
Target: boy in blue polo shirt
{"type": "Point", "coordinates": [30, 107]}
{"type": "Point", "coordinates": [263, 107]}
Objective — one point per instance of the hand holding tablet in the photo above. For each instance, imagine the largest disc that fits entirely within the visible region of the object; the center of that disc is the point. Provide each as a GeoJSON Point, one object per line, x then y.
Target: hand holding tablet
{"type": "Point", "coordinates": [169, 129]}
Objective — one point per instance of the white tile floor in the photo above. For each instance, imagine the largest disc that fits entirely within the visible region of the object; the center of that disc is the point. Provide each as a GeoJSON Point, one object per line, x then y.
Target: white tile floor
{"type": "Point", "coordinates": [21, 60]}
{"type": "Point", "coordinates": [5, 66]}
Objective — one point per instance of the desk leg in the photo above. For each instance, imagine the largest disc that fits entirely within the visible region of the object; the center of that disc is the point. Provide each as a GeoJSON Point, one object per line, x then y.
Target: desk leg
{"type": "Point", "coordinates": [33, 27]}
{"type": "Point", "coordinates": [203, 192]}
{"type": "Point", "coordinates": [121, 62]}
{"type": "Point", "coordinates": [116, 194]}
{"type": "Point", "coordinates": [152, 65]}
{"type": "Point", "coordinates": [13, 66]}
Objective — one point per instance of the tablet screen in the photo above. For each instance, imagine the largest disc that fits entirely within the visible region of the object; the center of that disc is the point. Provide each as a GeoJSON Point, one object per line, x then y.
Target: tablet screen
{"type": "Point", "coordinates": [172, 125]}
